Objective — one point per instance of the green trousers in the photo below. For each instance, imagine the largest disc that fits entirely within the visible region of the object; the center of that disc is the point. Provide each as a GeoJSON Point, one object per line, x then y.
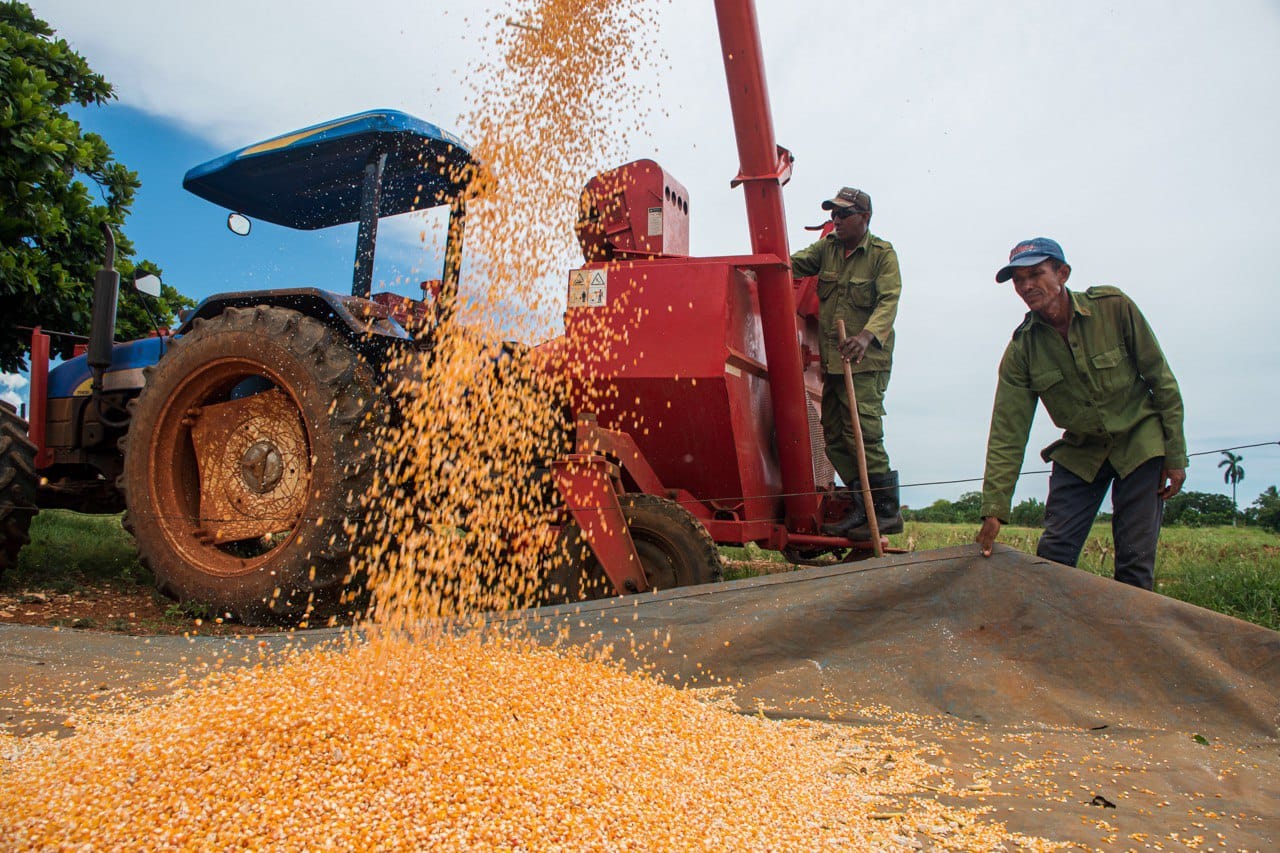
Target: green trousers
{"type": "Point", "coordinates": [838, 428]}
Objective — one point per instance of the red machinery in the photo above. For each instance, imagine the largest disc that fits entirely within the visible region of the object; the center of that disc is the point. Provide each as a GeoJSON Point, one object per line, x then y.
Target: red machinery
{"type": "Point", "coordinates": [693, 386]}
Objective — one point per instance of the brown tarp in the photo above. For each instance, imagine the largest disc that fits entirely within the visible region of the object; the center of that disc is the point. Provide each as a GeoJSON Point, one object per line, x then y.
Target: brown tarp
{"type": "Point", "coordinates": [1007, 639]}
{"type": "Point", "coordinates": [1053, 691]}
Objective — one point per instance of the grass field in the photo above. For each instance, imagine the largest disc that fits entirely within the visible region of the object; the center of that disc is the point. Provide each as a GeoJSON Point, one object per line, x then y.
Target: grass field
{"type": "Point", "coordinates": [1231, 570]}
{"type": "Point", "coordinates": [70, 551]}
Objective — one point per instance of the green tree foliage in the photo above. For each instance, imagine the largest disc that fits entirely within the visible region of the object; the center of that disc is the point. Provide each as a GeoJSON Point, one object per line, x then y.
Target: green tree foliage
{"type": "Point", "coordinates": [1265, 511]}
{"type": "Point", "coordinates": [969, 508]}
{"type": "Point", "coordinates": [940, 511]}
{"type": "Point", "coordinates": [51, 240]}
{"type": "Point", "coordinates": [1233, 475]}
{"type": "Point", "coordinates": [966, 510]}
{"type": "Point", "coordinates": [1198, 509]}
{"type": "Point", "coordinates": [1029, 513]}
{"type": "Point", "coordinates": [138, 315]}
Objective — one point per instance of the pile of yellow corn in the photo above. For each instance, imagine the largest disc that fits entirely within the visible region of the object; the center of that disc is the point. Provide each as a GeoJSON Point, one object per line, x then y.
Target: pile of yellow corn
{"type": "Point", "coordinates": [464, 744]}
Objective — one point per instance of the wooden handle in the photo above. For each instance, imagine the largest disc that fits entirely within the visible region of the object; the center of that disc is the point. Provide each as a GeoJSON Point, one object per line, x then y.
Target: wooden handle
{"type": "Point", "coordinates": [872, 522]}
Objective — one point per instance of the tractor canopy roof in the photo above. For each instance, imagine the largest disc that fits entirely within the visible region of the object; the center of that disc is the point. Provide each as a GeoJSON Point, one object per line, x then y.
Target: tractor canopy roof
{"type": "Point", "coordinates": [313, 178]}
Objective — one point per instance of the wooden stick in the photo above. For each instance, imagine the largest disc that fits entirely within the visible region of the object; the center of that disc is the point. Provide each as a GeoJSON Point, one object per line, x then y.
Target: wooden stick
{"type": "Point", "coordinates": [872, 522]}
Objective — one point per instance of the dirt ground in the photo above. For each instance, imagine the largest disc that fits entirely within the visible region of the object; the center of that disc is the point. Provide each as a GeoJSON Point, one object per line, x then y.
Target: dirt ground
{"type": "Point", "coordinates": [141, 611]}
{"type": "Point", "coordinates": [137, 610]}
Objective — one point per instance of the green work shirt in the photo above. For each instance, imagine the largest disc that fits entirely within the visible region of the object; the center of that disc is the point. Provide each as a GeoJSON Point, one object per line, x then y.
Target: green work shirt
{"type": "Point", "coordinates": [1107, 385]}
{"type": "Point", "coordinates": [861, 289]}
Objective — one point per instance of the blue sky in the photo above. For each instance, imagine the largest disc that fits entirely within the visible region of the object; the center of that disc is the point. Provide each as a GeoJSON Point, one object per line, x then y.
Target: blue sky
{"type": "Point", "coordinates": [1140, 135]}
{"type": "Point", "coordinates": [187, 236]}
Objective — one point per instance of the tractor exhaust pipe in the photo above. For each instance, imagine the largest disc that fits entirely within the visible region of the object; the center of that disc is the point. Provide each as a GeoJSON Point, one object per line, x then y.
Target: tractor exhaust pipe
{"type": "Point", "coordinates": [102, 332]}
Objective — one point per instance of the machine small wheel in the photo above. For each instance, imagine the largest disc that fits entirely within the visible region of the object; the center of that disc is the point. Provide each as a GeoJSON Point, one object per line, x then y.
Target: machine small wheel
{"type": "Point", "coordinates": [673, 546]}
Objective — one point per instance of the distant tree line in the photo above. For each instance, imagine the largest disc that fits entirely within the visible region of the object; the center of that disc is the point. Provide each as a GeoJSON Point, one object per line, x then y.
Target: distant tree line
{"type": "Point", "coordinates": [1188, 509]}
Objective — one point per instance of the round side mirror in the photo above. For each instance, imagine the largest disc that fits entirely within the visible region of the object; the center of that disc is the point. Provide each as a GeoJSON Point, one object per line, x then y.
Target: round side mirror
{"type": "Point", "coordinates": [239, 224]}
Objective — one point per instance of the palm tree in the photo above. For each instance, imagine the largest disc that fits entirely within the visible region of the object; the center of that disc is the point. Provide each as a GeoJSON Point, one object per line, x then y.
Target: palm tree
{"type": "Point", "coordinates": [1234, 474]}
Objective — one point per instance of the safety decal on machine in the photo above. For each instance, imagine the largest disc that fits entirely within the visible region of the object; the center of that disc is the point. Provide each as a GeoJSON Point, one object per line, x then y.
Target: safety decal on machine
{"type": "Point", "coordinates": [655, 221]}
{"type": "Point", "coordinates": [588, 288]}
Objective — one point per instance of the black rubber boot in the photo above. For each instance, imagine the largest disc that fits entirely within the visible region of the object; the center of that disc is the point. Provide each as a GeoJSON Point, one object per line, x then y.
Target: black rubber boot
{"type": "Point", "coordinates": [886, 500]}
{"type": "Point", "coordinates": [855, 518]}
{"type": "Point", "coordinates": [888, 503]}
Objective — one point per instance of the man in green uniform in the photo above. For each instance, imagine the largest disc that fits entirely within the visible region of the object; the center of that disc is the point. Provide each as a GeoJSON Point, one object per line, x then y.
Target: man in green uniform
{"type": "Point", "coordinates": [1094, 362]}
{"type": "Point", "coordinates": [858, 282]}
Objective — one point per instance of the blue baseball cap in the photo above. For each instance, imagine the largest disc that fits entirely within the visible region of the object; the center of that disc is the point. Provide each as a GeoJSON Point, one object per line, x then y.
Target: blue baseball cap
{"type": "Point", "coordinates": [1028, 253]}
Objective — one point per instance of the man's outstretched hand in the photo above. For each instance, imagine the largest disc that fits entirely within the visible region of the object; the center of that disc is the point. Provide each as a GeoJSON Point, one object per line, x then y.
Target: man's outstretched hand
{"type": "Point", "coordinates": [987, 535]}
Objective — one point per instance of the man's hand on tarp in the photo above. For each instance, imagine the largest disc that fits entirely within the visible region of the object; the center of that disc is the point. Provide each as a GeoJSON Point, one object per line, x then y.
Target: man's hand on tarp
{"type": "Point", "coordinates": [987, 535]}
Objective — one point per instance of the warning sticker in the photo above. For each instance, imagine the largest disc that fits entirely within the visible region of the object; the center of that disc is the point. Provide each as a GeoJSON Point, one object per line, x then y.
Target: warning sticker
{"type": "Point", "coordinates": [588, 288]}
{"type": "Point", "coordinates": [655, 221]}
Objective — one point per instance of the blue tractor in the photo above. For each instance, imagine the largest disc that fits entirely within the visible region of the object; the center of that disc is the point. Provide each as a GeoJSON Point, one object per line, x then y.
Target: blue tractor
{"type": "Point", "coordinates": [240, 444]}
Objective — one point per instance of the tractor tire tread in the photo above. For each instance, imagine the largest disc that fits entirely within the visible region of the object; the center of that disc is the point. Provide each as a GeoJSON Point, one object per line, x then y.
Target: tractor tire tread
{"type": "Point", "coordinates": [18, 480]}
{"type": "Point", "coordinates": [317, 588]}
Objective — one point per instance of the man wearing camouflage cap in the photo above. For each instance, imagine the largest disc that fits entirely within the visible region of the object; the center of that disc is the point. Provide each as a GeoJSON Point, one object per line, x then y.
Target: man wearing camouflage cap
{"type": "Point", "coordinates": [1094, 362]}
{"type": "Point", "coordinates": [858, 282]}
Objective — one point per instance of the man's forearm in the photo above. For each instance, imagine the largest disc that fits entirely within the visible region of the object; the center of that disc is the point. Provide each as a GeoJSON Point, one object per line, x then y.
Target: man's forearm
{"type": "Point", "coordinates": [1011, 417]}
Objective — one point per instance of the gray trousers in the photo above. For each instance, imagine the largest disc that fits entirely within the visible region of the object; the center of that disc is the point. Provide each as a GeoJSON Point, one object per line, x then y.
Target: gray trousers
{"type": "Point", "coordinates": [1135, 521]}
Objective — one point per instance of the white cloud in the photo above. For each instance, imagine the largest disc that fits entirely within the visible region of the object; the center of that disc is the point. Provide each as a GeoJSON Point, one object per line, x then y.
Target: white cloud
{"type": "Point", "coordinates": [13, 389]}
{"type": "Point", "coordinates": [242, 70]}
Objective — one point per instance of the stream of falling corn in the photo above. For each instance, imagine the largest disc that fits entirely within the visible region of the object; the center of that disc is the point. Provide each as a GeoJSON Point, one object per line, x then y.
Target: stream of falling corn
{"type": "Point", "coordinates": [414, 738]}
{"type": "Point", "coordinates": [461, 515]}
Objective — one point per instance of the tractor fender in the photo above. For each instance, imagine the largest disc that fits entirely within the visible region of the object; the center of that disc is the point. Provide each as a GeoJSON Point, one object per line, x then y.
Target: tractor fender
{"type": "Point", "coordinates": [368, 326]}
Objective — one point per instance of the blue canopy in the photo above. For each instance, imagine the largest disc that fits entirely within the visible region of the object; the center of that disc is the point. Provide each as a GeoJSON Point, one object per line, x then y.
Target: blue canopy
{"type": "Point", "coordinates": [312, 178]}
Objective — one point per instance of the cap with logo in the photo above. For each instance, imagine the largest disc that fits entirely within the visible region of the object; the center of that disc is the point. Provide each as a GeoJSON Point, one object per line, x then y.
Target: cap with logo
{"type": "Point", "coordinates": [848, 197]}
{"type": "Point", "coordinates": [1028, 253]}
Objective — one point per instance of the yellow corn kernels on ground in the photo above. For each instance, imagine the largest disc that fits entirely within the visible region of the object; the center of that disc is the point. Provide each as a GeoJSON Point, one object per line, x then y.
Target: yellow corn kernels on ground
{"type": "Point", "coordinates": [464, 744]}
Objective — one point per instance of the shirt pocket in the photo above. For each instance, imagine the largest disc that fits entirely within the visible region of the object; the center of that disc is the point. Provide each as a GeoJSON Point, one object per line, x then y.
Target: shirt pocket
{"type": "Point", "coordinates": [861, 292]}
{"type": "Point", "coordinates": [1113, 369]}
{"type": "Point", "coordinates": [827, 284]}
{"type": "Point", "coordinates": [1050, 386]}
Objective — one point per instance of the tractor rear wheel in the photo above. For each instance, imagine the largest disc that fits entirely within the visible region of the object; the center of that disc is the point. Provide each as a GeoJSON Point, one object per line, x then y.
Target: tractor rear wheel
{"type": "Point", "coordinates": [249, 450]}
{"type": "Point", "coordinates": [17, 485]}
{"type": "Point", "coordinates": [673, 546]}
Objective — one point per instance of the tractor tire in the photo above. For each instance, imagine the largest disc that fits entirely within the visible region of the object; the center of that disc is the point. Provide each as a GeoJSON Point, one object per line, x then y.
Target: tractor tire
{"type": "Point", "coordinates": [249, 450]}
{"type": "Point", "coordinates": [673, 546]}
{"type": "Point", "coordinates": [17, 486]}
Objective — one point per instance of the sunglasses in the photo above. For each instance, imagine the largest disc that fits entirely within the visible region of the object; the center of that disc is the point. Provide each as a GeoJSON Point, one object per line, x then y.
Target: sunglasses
{"type": "Point", "coordinates": [843, 212]}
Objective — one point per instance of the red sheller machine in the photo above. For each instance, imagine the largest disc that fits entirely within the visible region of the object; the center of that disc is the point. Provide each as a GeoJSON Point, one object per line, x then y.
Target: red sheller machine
{"type": "Point", "coordinates": [696, 386]}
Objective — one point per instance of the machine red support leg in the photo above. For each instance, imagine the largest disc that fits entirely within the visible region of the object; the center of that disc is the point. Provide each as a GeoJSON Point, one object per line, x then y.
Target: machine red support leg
{"type": "Point", "coordinates": [586, 484]}
{"type": "Point", "coordinates": [39, 397]}
{"type": "Point", "coordinates": [764, 168]}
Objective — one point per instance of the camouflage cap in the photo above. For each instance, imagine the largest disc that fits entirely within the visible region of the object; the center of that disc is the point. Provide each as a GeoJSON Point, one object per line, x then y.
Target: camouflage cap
{"type": "Point", "coordinates": [849, 197]}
